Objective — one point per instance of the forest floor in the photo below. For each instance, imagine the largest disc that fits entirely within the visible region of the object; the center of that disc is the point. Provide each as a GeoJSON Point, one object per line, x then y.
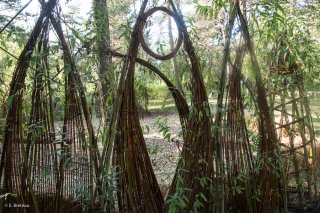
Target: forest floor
{"type": "Point", "coordinates": [164, 153]}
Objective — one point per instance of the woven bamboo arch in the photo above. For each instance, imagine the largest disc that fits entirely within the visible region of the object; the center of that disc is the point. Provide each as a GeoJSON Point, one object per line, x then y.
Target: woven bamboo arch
{"type": "Point", "coordinates": [42, 168]}
{"type": "Point", "coordinates": [138, 188]}
{"type": "Point", "coordinates": [75, 158]}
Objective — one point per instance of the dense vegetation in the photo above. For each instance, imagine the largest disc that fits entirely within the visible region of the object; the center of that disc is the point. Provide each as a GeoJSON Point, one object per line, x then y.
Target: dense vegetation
{"type": "Point", "coordinates": [78, 85]}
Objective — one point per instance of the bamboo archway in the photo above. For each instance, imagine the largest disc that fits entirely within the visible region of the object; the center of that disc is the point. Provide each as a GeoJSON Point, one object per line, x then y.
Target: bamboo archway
{"type": "Point", "coordinates": [44, 169]}
{"type": "Point", "coordinates": [138, 188]}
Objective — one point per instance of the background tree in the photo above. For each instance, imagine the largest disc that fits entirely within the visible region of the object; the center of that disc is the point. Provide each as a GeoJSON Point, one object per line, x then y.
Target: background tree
{"type": "Point", "coordinates": [102, 37]}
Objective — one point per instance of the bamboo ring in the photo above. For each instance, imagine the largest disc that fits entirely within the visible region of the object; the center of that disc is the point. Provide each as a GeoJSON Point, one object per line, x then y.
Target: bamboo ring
{"type": "Point", "coordinates": [143, 42]}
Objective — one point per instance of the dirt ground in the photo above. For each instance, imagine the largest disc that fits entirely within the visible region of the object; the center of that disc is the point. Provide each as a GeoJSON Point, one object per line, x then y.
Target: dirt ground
{"type": "Point", "coordinates": [164, 154]}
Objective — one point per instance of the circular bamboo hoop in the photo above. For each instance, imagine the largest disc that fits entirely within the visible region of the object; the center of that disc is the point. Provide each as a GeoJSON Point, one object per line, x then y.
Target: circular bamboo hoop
{"type": "Point", "coordinates": [143, 42]}
{"type": "Point", "coordinates": [282, 70]}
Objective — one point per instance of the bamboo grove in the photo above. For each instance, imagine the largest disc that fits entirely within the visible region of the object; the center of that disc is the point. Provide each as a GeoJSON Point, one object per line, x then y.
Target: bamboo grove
{"type": "Point", "coordinates": [64, 170]}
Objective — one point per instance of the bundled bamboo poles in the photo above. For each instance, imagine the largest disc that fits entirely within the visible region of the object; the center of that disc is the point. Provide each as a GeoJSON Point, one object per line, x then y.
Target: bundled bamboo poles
{"type": "Point", "coordinates": [46, 171]}
{"type": "Point", "coordinates": [138, 190]}
{"type": "Point", "coordinates": [40, 165]}
{"type": "Point", "coordinates": [243, 176]}
{"type": "Point", "coordinates": [14, 156]}
{"type": "Point", "coordinates": [193, 178]}
{"type": "Point", "coordinates": [219, 160]}
{"type": "Point", "coordinates": [180, 102]}
{"type": "Point", "coordinates": [136, 179]}
{"type": "Point", "coordinates": [80, 156]}
{"type": "Point", "coordinates": [268, 157]}
{"type": "Point", "coordinates": [240, 182]}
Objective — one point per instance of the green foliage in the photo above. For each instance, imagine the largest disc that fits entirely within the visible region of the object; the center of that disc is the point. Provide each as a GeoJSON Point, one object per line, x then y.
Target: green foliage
{"type": "Point", "coordinates": [177, 202]}
{"type": "Point", "coordinates": [142, 95]}
{"type": "Point", "coordinates": [107, 195]}
{"type": "Point", "coordinates": [145, 129]}
{"type": "Point", "coordinates": [127, 28]}
{"type": "Point", "coordinates": [283, 34]}
{"type": "Point", "coordinates": [155, 150]}
{"type": "Point", "coordinates": [211, 10]}
{"type": "Point", "coordinates": [164, 128]}
{"type": "Point", "coordinates": [287, 29]}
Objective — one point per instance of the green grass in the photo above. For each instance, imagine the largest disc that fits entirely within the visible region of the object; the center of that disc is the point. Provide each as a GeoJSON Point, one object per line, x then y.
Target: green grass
{"type": "Point", "coordinates": [161, 105]}
{"type": "Point", "coordinates": [168, 105]}
{"type": "Point", "coordinates": [315, 111]}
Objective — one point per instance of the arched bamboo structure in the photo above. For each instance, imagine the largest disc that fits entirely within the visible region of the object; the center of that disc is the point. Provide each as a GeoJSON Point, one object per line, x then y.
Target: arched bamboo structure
{"type": "Point", "coordinates": [44, 169]}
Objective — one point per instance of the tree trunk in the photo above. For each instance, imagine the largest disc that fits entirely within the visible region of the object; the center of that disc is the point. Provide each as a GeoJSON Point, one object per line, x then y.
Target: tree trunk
{"type": "Point", "coordinates": [101, 19]}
